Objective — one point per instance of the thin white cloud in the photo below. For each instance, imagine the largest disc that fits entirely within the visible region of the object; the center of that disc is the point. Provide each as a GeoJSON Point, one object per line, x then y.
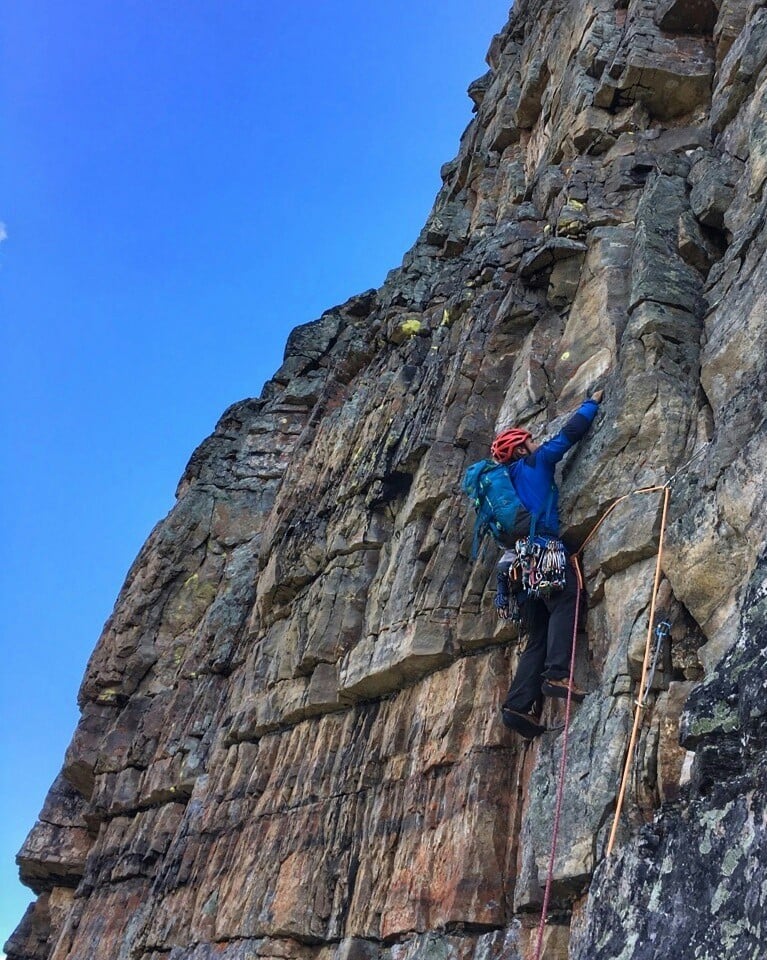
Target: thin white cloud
{"type": "Point", "coordinates": [3, 236]}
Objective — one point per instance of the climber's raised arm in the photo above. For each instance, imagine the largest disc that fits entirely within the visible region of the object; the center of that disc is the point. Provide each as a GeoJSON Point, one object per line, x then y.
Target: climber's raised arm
{"type": "Point", "coordinates": [573, 431]}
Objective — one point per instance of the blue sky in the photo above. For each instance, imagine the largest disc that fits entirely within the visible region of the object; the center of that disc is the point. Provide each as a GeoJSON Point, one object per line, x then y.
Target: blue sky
{"type": "Point", "coordinates": [181, 185]}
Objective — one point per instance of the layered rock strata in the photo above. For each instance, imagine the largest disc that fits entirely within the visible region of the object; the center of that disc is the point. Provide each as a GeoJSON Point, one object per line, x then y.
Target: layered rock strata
{"type": "Point", "coordinates": [290, 744]}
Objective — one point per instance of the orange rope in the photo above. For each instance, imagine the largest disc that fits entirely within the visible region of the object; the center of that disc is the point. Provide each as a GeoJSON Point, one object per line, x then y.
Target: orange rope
{"type": "Point", "coordinates": [638, 714]}
{"type": "Point", "coordinates": [563, 761]}
{"type": "Point", "coordinates": [666, 488]}
{"type": "Point", "coordinates": [562, 769]}
{"type": "Point", "coordinates": [610, 509]}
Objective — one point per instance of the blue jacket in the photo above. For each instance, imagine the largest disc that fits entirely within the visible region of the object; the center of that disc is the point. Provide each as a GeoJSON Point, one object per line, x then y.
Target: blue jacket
{"type": "Point", "coordinates": [533, 476]}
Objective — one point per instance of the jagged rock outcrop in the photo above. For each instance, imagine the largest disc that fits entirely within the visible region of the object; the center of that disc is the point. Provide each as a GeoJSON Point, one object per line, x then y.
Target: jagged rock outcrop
{"type": "Point", "coordinates": [290, 744]}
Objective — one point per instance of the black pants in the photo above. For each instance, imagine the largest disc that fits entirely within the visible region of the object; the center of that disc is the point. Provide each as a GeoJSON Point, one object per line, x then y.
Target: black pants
{"type": "Point", "coordinates": [550, 625]}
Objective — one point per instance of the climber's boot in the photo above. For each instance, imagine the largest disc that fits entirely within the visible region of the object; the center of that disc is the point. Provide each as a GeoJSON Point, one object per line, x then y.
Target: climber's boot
{"type": "Point", "coordinates": [527, 725]}
{"type": "Point", "coordinates": [560, 688]}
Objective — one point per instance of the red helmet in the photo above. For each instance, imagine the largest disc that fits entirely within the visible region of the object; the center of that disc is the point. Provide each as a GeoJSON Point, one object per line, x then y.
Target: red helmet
{"type": "Point", "coordinates": [504, 445]}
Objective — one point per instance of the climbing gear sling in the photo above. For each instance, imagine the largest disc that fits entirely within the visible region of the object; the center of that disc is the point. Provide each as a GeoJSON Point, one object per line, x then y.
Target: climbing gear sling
{"type": "Point", "coordinates": [541, 565]}
{"type": "Point", "coordinates": [640, 705]}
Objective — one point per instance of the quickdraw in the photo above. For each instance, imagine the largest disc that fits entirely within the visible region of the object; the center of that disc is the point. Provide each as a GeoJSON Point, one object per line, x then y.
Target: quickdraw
{"type": "Point", "coordinates": [662, 631]}
{"type": "Point", "coordinates": [540, 567]}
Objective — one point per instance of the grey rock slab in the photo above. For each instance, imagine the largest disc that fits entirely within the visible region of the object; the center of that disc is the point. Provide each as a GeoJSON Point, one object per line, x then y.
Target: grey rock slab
{"type": "Point", "coordinates": [686, 16]}
{"type": "Point", "coordinates": [712, 193]}
{"type": "Point", "coordinates": [741, 67]}
{"type": "Point", "coordinates": [545, 256]}
{"type": "Point", "coordinates": [658, 273]}
{"type": "Point", "coordinates": [595, 753]}
{"type": "Point", "coordinates": [55, 851]}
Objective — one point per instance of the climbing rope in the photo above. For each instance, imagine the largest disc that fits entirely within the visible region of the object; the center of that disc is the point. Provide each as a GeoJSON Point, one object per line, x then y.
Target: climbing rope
{"type": "Point", "coordinates": [562, 769]}
{"type": "Point", "coordinates": [606, 514]}
{"type": "Point", "coordinates": [640, 704]}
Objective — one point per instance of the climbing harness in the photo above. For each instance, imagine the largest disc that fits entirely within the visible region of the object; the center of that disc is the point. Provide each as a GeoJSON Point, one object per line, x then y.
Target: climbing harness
{"type": "Point", "coordinates": [534, 568]}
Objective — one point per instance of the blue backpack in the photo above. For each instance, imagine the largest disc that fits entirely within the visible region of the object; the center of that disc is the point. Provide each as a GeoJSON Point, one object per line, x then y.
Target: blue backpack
{"type": "Point", "coordinates": [492, 494]}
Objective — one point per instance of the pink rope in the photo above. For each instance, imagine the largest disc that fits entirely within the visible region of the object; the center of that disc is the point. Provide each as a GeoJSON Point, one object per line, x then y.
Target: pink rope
{"type": "Point", "coordinates": [562, 769]}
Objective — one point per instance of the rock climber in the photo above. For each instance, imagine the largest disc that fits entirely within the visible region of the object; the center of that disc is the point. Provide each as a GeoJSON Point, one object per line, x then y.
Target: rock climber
{"type": "Point", "coordinates": [549, 614]}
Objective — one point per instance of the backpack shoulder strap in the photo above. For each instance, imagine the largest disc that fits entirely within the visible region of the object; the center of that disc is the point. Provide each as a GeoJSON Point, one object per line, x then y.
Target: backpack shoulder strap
{"type": "Point", "coordinates": [472, 485]}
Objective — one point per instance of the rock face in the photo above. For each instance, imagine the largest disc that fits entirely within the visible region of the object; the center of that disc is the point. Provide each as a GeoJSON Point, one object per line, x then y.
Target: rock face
{"type": "Point", "coordinates": [693, 883]}
{"type": "Point", "coordinates": [290, 743]}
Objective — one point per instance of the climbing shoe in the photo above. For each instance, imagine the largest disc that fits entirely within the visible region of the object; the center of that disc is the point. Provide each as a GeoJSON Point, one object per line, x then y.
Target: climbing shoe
{"type": "Point", "coordinates": [559, 690]}
{"type": "Point", "coordinates": [527, 725]}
